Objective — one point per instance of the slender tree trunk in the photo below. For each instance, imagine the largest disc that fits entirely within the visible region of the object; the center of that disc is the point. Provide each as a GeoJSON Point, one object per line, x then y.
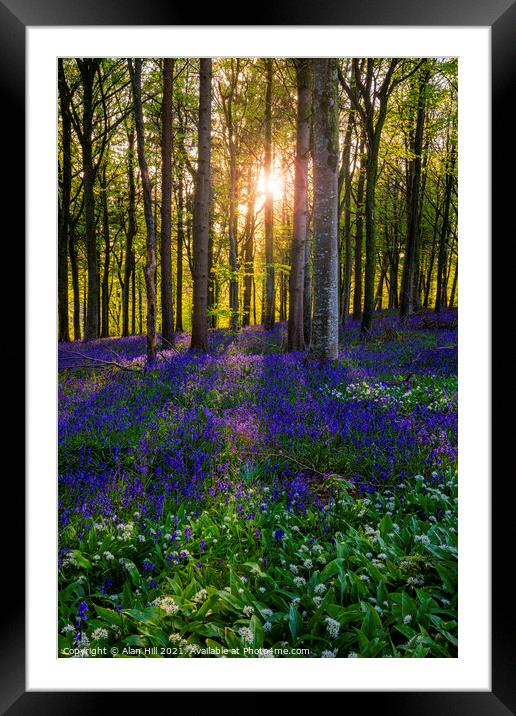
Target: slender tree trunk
{"type": "Point", "coordinates": [441, 258]}
{"type": "Point", "coordinates": [75, 288]}
{"type": "Point", "coordinates": [307, 289]}
{"type": "Point", "coordinates": [84, 306]}
{"type": "Point", "coordinates": [379, 289]}
{"type": "Point", "coordinates": [359, 232]}
{"type": "Point", "coordinates": [347, 177]}
{"type": "Point", "coordinates": [454, 287]}
{"type": "Point", "coordinates": [370, 262]}
{"type": "Point", "coordinates": [304, 72]}
{"type": "Point", "coordinates": [269, 206]}
{"type": "Point", "coordinates": [140, 304]}
{"type": "Point", "coordinates": [104, 315]}
{"type": "Point", "coordinates": [325, 327]}
{"type": "Point", "coordinates": [64, 209]}
{"type": "Point", "coordinates": [414, 201]}
{"type": "Point", "coordinates": [167, 309]}
{"type": "Point", "coordinates": [254, 300]}
{"type": "Point", "coordinates": [131, 233]}
{"type": "Point", "coordinates": [87, 68]}
{"type": "Point", "coordinates": [150, 264]}
{"type": "Point", "coordinates": [201, 212]}
{"type": "Point", "coordinates": [133, 291]}
{"type": "Point", "coordinates": [431, 262]}
{"type": "Point", "coordinates": [179, 267]}
{"type": "Point", "coordinates": [249, 250]}
{"type": "Point", "coordinates": [211, 277]}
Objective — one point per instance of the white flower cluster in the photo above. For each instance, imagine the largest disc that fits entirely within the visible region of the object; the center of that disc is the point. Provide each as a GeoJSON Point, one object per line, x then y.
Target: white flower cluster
{"type": "Point", "coordinates": [99, 633]}
{"type": "Point", "coordinates": [167, 604]}
{"type": "Point", "coordinates": [200, 596]}
{"type": "Point", "coordinates": [246, 634]}
{"type": "Point", "coordinates": [125, 531]}
{"type": "Point", "coordinates": [332, 627]}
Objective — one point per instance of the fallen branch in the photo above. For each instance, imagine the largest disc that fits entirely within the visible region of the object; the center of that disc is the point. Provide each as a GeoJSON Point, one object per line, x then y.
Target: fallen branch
{"type": "Point", "coordinates": [101, 363]}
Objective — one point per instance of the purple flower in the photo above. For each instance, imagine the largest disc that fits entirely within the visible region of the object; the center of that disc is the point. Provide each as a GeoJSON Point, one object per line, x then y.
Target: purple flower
{"type": "Point", "coordinates": [82, 612]}
{"type": "Point", "coordinates": [278, 535]}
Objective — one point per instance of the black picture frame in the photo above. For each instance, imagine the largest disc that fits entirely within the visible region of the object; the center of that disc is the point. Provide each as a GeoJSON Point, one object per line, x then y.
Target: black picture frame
{"type": "Point", "coordinates": [500, 15]}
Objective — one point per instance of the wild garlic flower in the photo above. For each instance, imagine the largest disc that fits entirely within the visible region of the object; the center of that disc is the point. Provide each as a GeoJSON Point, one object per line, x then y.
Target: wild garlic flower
{"type": "Point", "coordinates": [332, 627]}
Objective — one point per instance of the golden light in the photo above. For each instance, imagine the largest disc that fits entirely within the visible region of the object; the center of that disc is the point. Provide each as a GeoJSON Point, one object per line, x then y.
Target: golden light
{"type": "Point", "coordinates": [276, 185]}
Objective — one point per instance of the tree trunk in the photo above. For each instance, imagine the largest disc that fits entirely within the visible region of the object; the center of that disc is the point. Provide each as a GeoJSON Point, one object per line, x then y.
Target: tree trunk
{"type": "Point", "coordinates": [370, 262]}
{"type": "Point", "coordinates": [179, 267]}
{"type": "Point", "coordinates": [359, 232]}
{"type": "Point", "coordinates": [167, 309]}
{"type": "Point", "coordinates": [131, 233]}
{"type": "Point", "coordinates": [414, 200]}
{"type": "Point", "coordinates": [104, 313]}
{"type": "Point", "coordinates": [64, 209]}
{"type": "Point", "coordinates": [269, 319]}
{"type": "Point", "coordinates": [249, 249]}
{"type": "Point", "coordinates": [133, 291]}
{"type": "Point", "coordinates": [87, 68]}
{"type": "Point", "coordinates": [150, 264]}
{"type": "Point", "coordinates": [75, 288]}
{"type": "Point", "coordinates": [304, 71]}
{"type": "Point", "coordinates": [324, 343]}
{"type": "Point", "coordinates": [454, 287]}
{"type": "Point", "coordinates": [201, 213]}
{"type": "Point", "coordinates": [307, 289]}
{"type": "Point", "coordinates": [441, 257]}
{"type": "Point", "coordinates": [347, 177]}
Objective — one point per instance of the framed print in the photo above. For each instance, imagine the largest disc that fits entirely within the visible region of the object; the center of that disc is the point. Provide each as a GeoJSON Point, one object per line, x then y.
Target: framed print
{"type": "Point", "coordinates": [204, 506]}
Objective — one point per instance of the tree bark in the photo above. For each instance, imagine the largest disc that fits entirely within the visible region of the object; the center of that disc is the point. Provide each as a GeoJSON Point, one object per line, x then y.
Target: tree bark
{"type": "Point", "coordinates": [64, 208]}
{"type": "Point", "coordinates": [167, 309]}
{"type": "Point", "coordinates": [414, 200]}
{"type": "Point", "coordinates": [324, 342]}
{"type": "Point", "coordinates": [249, 248]}
{"type": "Point", "coordinates": [359, 234]}
{"type": "Point", "coordinates": [269, 318]}
{"type": "Point", "coordinates": [131, 233]}
{"type": "Point", "coordinates": [307, 288]}
{"type": "Point", "coordinates": [150, 264]}
{"type": "Point", "coordinates": [75, 288]}
{"type": "Point", "coordinates": [179, 266]}
{"type": "Point", "coordinates": [87, 69]}
{"type": "Point", "coordinates": [201, 213]}
{"type": "Point", "coordinates": [133, 291]}
{"type": "Point", "coordinates": [347, 177]}
{"type": "Point", "coordinates": [304, 71]}
{"type": "Point", "coordinates": [441, 257]}
{"type": "Point", "coordinates": [104, 313]}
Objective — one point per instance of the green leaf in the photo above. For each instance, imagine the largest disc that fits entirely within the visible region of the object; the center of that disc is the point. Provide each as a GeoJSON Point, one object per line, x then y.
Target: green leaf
{"type": "Point", "coordinates": [109, 616]}
{"type": "Point", "coordinates": [81, 560]}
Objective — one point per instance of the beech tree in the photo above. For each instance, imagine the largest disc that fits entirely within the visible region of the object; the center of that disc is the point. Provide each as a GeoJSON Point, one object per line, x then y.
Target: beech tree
{"type": "Point", "coordinates": [167, 309]}
{"type": "Point", "coordinates": [325, 325]}
{"type": "Point", "coordinates": [135, 70]}
{"type": "Point", "coordinates": [304, 71]}
{"type": "Point", "coordinates": [201, 212]}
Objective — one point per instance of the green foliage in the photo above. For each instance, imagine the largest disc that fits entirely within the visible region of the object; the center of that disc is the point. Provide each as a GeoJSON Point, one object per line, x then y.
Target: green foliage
{"type": "Point", "coordinates": [377, 579]}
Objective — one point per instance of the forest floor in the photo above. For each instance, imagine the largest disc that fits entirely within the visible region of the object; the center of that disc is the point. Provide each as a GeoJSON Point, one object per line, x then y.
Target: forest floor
{"type": "Point", "coordinates": [249, 502]}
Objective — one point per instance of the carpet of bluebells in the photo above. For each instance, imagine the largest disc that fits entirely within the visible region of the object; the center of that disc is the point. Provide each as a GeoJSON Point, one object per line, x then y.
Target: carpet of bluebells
{"type": "Point", "coordinates": [251, 502]}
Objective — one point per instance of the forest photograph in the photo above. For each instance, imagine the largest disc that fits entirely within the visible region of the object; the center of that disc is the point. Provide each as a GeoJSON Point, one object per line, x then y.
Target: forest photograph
{"type": "Point", "coordinates": [257, 324]}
